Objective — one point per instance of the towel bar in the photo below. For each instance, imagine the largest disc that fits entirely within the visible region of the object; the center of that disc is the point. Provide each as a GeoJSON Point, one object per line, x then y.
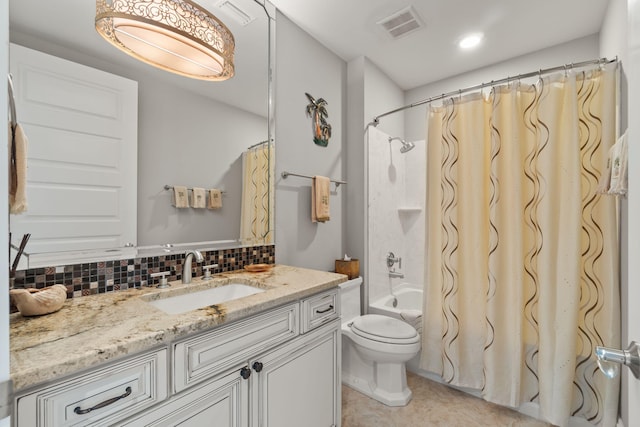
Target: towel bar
{"type": "Point", "coordinates": [170, 187]}
{"type": "Point", "coordinates": [285, 175]}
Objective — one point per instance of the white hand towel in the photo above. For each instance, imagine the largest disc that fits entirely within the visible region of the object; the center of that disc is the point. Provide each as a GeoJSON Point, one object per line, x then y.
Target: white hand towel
{"type": "Point", "coordinates": [180, 196]}
{"type": "Point", "coordinates": [198, 198]}
{"type": "Point", "coordinates": [215, 199]}
{"type": "Point", "coordinates": [18, 170]}
{"type": "Point", "coordinates": [619, 161]}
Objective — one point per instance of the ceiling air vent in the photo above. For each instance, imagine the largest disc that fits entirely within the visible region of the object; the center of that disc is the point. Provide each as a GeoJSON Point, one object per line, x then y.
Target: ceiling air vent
{"type": "Point", "coordinates": [401, 23]}
{"type": "Point", "coordinates": [236, 12]}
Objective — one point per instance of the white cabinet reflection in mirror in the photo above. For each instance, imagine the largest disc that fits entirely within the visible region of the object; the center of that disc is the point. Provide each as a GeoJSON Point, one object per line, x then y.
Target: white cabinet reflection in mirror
{"type": "Point", "coordinates": [82, 156]}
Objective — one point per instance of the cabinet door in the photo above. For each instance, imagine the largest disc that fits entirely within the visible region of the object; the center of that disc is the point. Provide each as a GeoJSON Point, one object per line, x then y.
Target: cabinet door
{"type": "Point", "coordinates": [223, 402]}
{"type": "Point", "coordinates": [298, 384]}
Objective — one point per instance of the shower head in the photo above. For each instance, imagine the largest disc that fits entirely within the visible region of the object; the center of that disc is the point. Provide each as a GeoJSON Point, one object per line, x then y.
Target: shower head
{"type": "Point", "coordinates": [406, 146]}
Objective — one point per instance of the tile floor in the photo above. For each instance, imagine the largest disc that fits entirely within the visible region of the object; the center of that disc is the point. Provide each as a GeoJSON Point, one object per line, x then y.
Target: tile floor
{"type": "Point", "coordinates": [433, 404]}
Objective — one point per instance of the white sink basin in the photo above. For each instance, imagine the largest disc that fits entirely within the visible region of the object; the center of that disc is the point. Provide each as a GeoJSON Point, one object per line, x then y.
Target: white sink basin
{"type": "Point", "coordinates": [194, 300]}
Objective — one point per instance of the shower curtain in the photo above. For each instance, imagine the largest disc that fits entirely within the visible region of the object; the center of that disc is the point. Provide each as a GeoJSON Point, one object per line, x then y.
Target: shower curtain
{"type": "Point", "coordinates": [256, 226]}
{"type": "Point", "coordinates": [522, 253]}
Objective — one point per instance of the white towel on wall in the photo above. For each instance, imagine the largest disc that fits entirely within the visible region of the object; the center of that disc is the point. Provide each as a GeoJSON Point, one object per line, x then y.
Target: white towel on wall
{"type": "Point", "coordinates": [619, 160]}
{"type": "Point", "coordinates": [180, 196]}
{"type": "Point", "coordinates": [18, 170]}
{"type": "Point", "coordinates": [198, 198]}
{"type": "Point", "coordinates": [215, 199]}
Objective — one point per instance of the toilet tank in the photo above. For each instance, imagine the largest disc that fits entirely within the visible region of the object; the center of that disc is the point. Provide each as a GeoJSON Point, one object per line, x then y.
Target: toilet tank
{"type": "Point", "coordinates": [350, 299]}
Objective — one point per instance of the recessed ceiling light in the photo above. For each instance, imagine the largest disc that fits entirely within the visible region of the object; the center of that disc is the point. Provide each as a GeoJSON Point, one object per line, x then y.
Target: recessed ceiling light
{"type": "Point", "coordinates": [470, 41]}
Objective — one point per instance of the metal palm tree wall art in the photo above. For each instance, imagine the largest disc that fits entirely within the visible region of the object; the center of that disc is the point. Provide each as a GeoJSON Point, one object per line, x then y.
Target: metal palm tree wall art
{"type": "Point", "coordinates": [317, 110]}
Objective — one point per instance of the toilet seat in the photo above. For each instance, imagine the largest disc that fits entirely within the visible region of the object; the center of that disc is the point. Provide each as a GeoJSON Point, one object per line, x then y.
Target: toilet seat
{"type": "Point", "coordinates": [384, 329]}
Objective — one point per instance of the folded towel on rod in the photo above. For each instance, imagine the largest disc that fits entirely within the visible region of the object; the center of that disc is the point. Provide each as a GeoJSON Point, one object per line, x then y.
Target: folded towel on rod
{"type": "Point", "coordinates": [215, 199]}
{"type": "Point", "coordinates": [320, 193]}
{"type": "Point", "coordinates": [180, 196]}
{"type": "Point", "coordinates": [18, 169]}
{"type": "Point", "coordinates": [198, 198]}
{"type": "Point", "coordinates": [619, 161]}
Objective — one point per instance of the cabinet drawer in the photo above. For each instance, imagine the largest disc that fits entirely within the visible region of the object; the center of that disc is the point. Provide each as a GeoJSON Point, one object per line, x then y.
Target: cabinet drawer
{"type": "Point", "coordinates": [198, 358]}
{"type": "Point", "coordinates": [100, 397]}
{"type": "Point", "coordinates": [320, 309]}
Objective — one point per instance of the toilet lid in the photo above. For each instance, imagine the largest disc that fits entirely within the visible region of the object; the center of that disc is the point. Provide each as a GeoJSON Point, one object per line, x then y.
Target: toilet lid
{"type": "Point", "coordinates": [385, 329]}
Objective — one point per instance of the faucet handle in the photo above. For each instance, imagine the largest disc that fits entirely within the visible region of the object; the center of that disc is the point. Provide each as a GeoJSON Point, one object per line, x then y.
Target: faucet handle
{"type": "Point", "coordinates": [207, 270]}
{"type": "Point", "coordinates": [391, 259]}
{"type": "Point", "coordinates": [162, 283]}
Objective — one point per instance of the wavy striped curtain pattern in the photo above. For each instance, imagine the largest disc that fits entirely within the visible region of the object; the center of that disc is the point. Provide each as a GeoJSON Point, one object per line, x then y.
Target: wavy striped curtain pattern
{"type": "Point", "coordinates": [522, 253]}
{"type": "Point", "coordinates": [257, 220]}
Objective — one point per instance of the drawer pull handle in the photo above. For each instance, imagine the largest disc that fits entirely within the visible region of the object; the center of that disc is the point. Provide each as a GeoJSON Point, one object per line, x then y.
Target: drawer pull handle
{"type": "Point", "coordinates": [325, 311]}
{"type": "Point", "coordinates": [257, 366]}
{"type": "Point", "coordinates": [108, 402]}
{"type": "Point", "coordinates": [245, 372]}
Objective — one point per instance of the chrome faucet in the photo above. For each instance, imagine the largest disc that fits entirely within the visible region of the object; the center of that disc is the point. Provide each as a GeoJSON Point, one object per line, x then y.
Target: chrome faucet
{"type": "Point", "coordinates": [186, 266]}
{"type": "Point", "coordinates": [391, 260]}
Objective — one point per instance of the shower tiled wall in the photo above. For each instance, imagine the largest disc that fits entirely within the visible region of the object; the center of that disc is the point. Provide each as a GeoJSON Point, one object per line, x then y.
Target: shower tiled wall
{"type": "Point", "coordinates": [396, 214]}
{"type": "Point", "coordinates": [108, 276]}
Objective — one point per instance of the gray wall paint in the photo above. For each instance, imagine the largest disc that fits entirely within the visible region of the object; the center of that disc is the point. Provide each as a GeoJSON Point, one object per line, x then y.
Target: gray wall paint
{"type": "Point", "coordinates": [203, 149]}
{"type": "Point", "coordinates": [355, 160]}
{"type": "Point", "coordinates": [304, 65]}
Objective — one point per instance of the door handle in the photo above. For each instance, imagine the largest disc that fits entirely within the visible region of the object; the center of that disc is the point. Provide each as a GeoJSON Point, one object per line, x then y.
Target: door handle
{"type": "Point", "coordinates": [610, 359]}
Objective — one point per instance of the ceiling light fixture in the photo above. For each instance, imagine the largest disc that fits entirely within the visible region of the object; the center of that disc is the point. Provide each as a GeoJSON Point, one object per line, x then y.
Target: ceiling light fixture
{"type": "Point", "coordinates": [178, 36]}
{"type": "Point", "coordinates": [470, 41]}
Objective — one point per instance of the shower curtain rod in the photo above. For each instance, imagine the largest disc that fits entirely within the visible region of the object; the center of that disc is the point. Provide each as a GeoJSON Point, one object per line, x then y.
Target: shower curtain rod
{"type": "Point", "coordinates": [601, 61]}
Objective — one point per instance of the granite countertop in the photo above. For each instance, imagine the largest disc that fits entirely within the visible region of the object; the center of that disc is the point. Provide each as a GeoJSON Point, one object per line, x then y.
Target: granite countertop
{"type": "Point", "coordinates": [94, 329]}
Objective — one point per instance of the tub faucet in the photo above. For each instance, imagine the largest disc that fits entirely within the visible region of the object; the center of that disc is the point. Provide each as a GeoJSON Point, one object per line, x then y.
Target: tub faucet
{"type": "Point", "coordinates": [186, 267]}
{"type": "Point", "coordinates": [391, 260]}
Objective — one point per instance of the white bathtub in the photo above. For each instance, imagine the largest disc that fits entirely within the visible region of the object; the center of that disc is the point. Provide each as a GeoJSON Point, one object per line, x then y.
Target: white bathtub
{"type": "Point", "coordinates": [409, 308]}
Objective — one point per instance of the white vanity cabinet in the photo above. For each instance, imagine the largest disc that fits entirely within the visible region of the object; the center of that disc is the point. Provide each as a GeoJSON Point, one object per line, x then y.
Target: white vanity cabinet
{"type": "Point", "coordinates": [278, 368]}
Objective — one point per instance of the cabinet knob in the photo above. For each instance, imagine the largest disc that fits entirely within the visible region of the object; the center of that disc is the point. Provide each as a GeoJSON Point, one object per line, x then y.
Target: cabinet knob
{"type": "Point", "coordinates": [245, 372]}
{"type": "Point", "coordinates": [257, 366]}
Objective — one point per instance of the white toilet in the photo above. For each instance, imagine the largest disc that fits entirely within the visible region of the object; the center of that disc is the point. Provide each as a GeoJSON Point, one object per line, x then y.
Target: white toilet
{"type": "Point", "coordinates": [375, 349]}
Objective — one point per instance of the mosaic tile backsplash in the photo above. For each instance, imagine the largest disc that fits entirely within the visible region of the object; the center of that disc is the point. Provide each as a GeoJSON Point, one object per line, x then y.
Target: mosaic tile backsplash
{"type": "Point", "coordinates": [109, 276]}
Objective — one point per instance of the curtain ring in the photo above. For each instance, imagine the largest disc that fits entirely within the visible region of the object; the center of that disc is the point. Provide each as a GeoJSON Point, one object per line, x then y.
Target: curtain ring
{"type": "Point", "coordinates": [460, 95]}
{"type": "Point", "coordinates": [565, 70]}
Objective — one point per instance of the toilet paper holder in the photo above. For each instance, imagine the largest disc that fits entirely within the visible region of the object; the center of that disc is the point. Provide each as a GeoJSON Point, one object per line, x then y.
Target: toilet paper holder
{"type": "Point", "coordinates": [610, 359]}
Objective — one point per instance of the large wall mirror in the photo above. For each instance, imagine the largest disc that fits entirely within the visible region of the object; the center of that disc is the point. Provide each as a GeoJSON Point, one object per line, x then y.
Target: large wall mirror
{"type": "Point", "coordinates": [190, 133]}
